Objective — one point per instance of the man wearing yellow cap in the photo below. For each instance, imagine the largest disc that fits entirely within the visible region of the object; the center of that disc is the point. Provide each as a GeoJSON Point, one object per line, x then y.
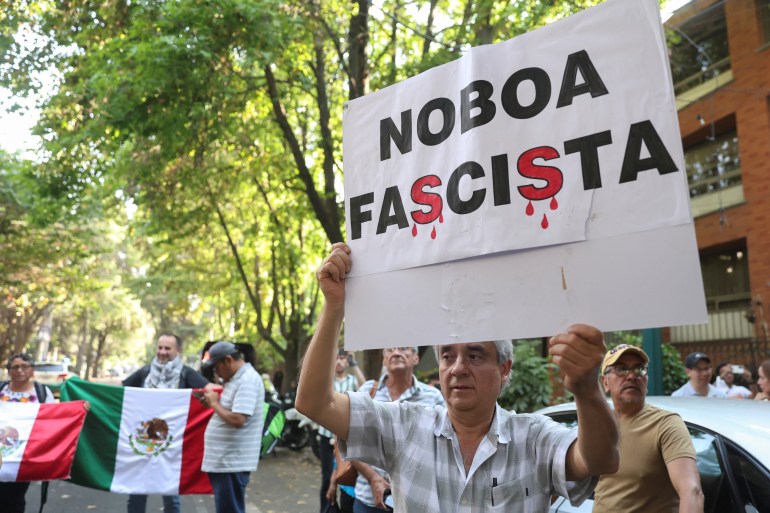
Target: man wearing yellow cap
{"type": "Point", "coordinates": [657, 459]}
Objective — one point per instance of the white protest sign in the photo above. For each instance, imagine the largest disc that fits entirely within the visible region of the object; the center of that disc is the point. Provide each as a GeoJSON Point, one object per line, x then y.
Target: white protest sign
{"type": "Point", "coordinates": [616, 248]}
{"type": "Point", "coordinates": [563, 134]}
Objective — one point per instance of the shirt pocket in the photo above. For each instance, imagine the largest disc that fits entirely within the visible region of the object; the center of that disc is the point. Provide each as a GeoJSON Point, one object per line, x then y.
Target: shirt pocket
{"type": "Point", "coordinates": [511, 496]}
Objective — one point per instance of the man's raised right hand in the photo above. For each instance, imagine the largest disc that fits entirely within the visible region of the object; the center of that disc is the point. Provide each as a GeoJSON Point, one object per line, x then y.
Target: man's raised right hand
{"type": "Point", "coordinates": [331, 273]}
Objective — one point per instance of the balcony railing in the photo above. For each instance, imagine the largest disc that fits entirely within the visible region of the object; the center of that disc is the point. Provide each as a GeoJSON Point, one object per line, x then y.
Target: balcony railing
{"type": "Point", "coordinates": [723, 325]}
{"type": "Point", "coordinates": [698, 85]}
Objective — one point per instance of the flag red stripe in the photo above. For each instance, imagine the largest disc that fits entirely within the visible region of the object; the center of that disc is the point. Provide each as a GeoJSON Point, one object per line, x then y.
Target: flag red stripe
{"type": "Point", "coordinates": [192, 479]}
{"type": "Point", "coordinates": [52, 442]}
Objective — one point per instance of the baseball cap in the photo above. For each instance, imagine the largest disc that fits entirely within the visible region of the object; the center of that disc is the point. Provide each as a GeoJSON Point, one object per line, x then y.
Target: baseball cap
{"type": "Point", "coordinates": [617, 351]}
{"type": "Point", "coordinates": [693, 358]}
{"type": "Point", "coordinates": [219, 351]}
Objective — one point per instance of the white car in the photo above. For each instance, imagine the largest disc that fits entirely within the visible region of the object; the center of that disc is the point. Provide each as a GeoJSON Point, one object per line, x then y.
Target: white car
{"type": "Point", "coordinates": [732, 443]}
{"type": "Point", "coordinates": [52, 374]}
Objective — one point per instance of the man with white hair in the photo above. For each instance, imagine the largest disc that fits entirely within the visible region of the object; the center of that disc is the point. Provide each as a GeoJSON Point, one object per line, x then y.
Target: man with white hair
{"type": "Point", "coordinates": [397, 384]}
{"type": "Point", "coordinates": [471, 455]}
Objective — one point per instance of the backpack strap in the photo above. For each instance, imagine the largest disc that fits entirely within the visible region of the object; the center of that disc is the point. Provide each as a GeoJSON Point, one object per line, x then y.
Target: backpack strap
{"type": "Point", "coordinates": [41, 391]}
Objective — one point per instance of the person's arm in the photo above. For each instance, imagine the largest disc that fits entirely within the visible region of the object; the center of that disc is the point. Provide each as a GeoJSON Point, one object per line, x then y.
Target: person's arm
{"type": "Point", "coordinates": [683, 473]}
{"type": "Point", "coordinates": [136, 379]}
{"type": "Point", "coordinates": [360, 379]}
{"type": "Point", "coordinates": [211, 398]}
{"type": "Point", "coordinates": [579, 354]}
{"type": "Point", "coordinates": [331, 491]}
{"type": "Point", "coordinates": [193, 379]}
{"type": "Point", "coordinates": [378, 483]}
{"type": "Point", "coordinates": [316, 397]}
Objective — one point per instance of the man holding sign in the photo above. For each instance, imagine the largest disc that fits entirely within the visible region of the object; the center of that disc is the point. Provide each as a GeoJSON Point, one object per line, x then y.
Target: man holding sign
{"type": "Point", "coordinates": [471, 454]}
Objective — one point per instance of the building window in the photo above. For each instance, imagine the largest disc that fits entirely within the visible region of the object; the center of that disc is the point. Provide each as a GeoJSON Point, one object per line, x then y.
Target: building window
{"type": "Point", "coordinates": [714, 173]}
{"type": "Point", "coordinates": [698, 49]}
{"type": "Point", "coordinates": [725, 272]}
{"type": "Point", "coordinates": [726, 278]}
{"type": "Point", "coordinates": [764, 18]}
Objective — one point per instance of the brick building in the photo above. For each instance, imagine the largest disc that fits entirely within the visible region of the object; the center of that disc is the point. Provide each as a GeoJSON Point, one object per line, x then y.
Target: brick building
{"type": "Point", "coordinates": [720, 60]}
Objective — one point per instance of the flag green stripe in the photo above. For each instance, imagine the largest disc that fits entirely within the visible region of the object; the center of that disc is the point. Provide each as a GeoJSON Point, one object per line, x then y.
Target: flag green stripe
{"type": "Point", "coordinates": [94, 463]}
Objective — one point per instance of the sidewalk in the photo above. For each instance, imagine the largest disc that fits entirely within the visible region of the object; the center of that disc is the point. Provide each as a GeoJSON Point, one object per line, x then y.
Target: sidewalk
{"type": "Point", "coordinates": [285, 482]}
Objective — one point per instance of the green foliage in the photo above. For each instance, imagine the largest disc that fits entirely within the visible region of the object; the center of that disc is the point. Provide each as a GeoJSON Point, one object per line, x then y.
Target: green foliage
{"type": "Point", "coordinates": [674, 375]}
{"type": "Point", "coordinates": [217, 125]}
{"type": "Point", "coordinates": [530, 387]}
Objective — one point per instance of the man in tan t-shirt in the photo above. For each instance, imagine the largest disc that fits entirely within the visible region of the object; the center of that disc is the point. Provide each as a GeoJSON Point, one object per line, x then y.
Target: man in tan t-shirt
{"type": "Point", "coordinates": [657, 460]}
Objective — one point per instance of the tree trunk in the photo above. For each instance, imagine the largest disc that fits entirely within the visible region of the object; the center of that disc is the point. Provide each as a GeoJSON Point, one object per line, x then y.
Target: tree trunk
{"type": "Point", "coordinates": [89, 357]}
{"type": "Point", "coordinates": [83, 345]}
{"type": "Point", "coordinates": [358, 40]}
{"type": "Point", "coordinates": [102, 341]}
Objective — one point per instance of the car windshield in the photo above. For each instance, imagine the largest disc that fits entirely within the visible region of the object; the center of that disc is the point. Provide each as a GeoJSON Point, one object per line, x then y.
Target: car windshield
{"type": "Point", "coordinates": [49, 367]}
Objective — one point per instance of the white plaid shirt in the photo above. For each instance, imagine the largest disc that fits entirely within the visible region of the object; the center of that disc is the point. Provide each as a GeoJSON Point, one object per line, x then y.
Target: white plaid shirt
{"type": "Point", "coordinates": [418, 393]}
{"type": "Point", "coordinates": [524, 454]}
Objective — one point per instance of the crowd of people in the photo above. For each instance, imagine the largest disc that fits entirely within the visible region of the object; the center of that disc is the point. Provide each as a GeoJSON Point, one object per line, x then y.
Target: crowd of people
{"type": "Point", "coordinates": [233, 434]}
{"type": "Point", "coordinates": [723, 382]}
{"type": "Point", "coordinates": [419, 447]}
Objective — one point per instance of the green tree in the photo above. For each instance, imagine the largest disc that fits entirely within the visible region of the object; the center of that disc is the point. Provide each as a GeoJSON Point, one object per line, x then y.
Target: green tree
{"type": "Point", "coordinates": [530, 388]}
{"type": "Point", "coordinates": [220, 123]}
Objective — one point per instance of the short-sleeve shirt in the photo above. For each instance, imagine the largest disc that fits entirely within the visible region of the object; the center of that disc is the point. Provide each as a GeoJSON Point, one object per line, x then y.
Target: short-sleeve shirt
{"type": "Point", "coordinates": [736, 391]}
{"type": "Point", "coordinates": [525, 455]}
{"type": "Point", "coordinates": [687, 390]}
{"type": "Point", "coordinates": [649, 441]}
{"type": "Point", "coordinates": [6, 394]}
{"type": "Point", "coordinates": [348, 384]}
{"type": "Point", "coordinates": [418, 393]}
{"type": "Point", "coordinates": [231, 449]}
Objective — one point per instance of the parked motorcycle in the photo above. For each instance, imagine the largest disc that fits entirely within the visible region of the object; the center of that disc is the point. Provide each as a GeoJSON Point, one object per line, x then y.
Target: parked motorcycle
{"type": "Point", "coordinates": [299, 431]}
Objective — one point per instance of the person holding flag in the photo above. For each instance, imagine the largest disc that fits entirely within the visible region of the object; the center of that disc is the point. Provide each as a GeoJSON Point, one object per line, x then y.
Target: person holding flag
{"type": "Point", "coordinates": [165, 371]}
{"type": "Point", "coordinates": [20, 389]}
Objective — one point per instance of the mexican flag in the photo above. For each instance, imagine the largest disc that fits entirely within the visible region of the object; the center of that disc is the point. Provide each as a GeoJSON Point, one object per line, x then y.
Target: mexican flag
{"type": "Point", "coordinates": [140, 440]}
{"type": "Point", "coordinates": [37, 441]}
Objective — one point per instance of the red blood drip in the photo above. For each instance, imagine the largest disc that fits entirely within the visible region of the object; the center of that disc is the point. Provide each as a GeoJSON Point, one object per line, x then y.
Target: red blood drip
{"type": "Point", "coordinates": [530, 209]}
{"type": "Point", "coordinates": [433, 233]}
{"type": "Point", "coordinates": [554, 203]}
{"type": "Point", "coordinates": [544, 222]}
{"type": "Point", "coordinates": [414, 231]}
{"type": "Point", "coordinates": [441, 218]}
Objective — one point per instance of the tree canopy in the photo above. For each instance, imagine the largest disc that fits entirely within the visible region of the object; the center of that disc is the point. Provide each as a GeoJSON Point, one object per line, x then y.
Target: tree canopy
{"type": "Point", "coordinates": [210, 131]}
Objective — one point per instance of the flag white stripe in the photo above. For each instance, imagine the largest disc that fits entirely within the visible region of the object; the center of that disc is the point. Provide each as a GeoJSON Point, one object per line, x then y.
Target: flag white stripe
{"type": "Point", "coordinates": [19, 417]}
{"type": "Point", "coordinates": [157, 468]}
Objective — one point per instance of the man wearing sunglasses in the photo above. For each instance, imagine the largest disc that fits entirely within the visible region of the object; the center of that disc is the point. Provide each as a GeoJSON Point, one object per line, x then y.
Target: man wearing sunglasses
{"type": "Point", "coordinates": [657, 459]}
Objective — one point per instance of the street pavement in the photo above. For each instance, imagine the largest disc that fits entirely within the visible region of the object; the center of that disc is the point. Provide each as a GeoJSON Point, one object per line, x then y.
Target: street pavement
{"type": "Point", "coordinates": [285, 482]}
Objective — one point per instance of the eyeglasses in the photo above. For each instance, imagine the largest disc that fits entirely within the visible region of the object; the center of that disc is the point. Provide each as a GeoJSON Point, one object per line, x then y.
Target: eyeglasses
{"type": "Point", "coordinates": [622, 372]}
{"type": "Point", "coordinates": [18, 368]}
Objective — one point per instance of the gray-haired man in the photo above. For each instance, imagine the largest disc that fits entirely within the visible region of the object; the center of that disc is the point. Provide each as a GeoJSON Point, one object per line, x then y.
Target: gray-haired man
{"type": "Point", "coordinates": [470, 455]}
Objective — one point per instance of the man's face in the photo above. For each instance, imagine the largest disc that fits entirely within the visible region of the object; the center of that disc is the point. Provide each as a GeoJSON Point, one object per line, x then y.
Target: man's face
{"type": "Point", "coordinates": [399, 359]}
{"type": "Point", "coordinates": [342, 363]}
{"type": "Point", "coordinates": [628, 389]}
{"type": "Point", "coordinates": [223, 368]}
{"type": "Point", "coordinates": [700, 375]}
{"type": "Point", "coordinates": [726, 373]}
{"type": "Point", "coordinates": [470, 375]}
{"type": "Point", "coordinates": [167, 349]}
